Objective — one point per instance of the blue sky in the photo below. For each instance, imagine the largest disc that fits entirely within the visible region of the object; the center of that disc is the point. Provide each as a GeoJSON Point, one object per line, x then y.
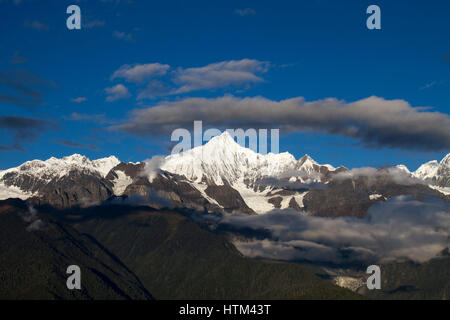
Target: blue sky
{"type": "Point", "coordinates": [311, 49]}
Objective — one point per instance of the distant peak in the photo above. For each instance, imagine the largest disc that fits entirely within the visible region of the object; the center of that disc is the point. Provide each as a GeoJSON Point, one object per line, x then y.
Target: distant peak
{"type": "Point", "coordinates": [224, 139]}
{"type": "Point", "coordinates": [111, 158]}
{"type": "Point", "coordinates": [446, 160]}
{"type": "Point", "coordinates": [223, 135]}
{"type": "Point", "coordinates": [75, 156]}
{"type": "Point", "coordinates": [306, 158]}
{"type": "Point", "coordinates": [402, 167]}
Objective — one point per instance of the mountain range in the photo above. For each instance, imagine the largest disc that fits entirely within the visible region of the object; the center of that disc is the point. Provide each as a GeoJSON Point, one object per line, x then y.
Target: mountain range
{"type": "Point", "coordinates": [142, 230]}
{"type": "Point", "coordinates": [222, 176]}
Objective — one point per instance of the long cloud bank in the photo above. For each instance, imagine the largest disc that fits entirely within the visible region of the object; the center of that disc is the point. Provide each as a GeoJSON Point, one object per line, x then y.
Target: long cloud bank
{"type": "Point", "coordinates": [398, 229]}
{"type": "Point", "coordinates": [373, 121]}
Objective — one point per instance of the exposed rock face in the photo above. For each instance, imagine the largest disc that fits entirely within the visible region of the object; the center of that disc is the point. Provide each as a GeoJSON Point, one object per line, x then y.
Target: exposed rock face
{"type": "Point", "coordinates": [443, 172]}
{"type": "Point", "coordinates": [133, 170]}
{"type": "Point", "coordinates": [352, 197]}
{"type": "Point", "coordinates": [62, 183]}
{"type": "Point", "coordinates": [294, 205]}
{"type": "Point", "coordinates": [176, 192]}
{"type": "Point", "coordinates": [229, 198]}
{"type": "Point", "coordinates": [276, 201]}
{"type": "Point", "coordinates": [76, 189]}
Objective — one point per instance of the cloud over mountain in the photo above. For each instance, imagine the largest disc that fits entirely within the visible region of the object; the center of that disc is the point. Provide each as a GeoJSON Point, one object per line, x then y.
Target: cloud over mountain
{"type": "Point", "coordinates": [373, 121]}
{"type": "Point", "coordinates": [400, 228]}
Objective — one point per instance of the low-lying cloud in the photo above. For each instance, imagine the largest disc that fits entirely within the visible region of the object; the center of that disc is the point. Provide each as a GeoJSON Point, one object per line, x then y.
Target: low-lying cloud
{"type": "Point", "coordinates": [373, 121]}
{"type": "Point", "coordinates": [395, 175]}
{"type": "Point", "coordinates": [398, 229]}
{"type": "Point", "coordinates": [152, 167]}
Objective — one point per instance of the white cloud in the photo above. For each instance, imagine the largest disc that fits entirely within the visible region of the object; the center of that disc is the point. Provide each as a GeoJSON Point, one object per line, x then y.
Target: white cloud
{"type": "Point", "coordinates": [220, 75]}
{"type": "Point", "coordinates": [400, 228]}
{"type": "Point", "coordinates": [79, 99]}
{"type": "Point", "coordinates": [393, 174]}
{"type": "Point", "coordinates": [153, 167]}
{"type": "Point", "coordinates": [117, 92]}
{"type": "Point", "coordinates": [139, 72]}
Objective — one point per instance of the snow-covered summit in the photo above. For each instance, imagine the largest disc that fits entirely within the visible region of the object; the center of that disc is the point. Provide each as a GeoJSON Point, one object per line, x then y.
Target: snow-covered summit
{"type": "Point", "coordinates": [223, 160]}
{"type": "Point", "coordinates": [25, 180]}
{"type": "Point", "coordinates": [445, 162]}
{"type": "Point", "coordinates": [55, 167]}
{"type": "Point", "coordinates": [435, 172]}
{"type": "Point", "coordinates": [427, 170]}
{"type": "Point", "coordinates": [403, 168]}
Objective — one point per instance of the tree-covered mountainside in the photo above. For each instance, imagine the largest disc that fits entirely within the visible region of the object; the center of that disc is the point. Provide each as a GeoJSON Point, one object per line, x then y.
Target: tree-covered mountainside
{"type": "Point", "coordinates": [408, 280]}
{"type": "Point", "coordinates": [35, 251]}
{"type": "Point", "coordinates": [176, 259]}
{"type": "Point", "coordinates": [127, 252]}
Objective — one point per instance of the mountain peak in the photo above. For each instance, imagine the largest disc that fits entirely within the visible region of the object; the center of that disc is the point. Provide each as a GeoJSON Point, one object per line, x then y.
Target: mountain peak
{"type": "Point", "coordinates": [224, 139]}
{"type": "Point", "coordinates": [306, 157]}
{"type": "Point", "coordinates": [403, 168]}
{"type": "Point", "coordinates": [446, 160]}
{"type": "Point", "coordinates": [427, 170]}
{"type": "Point", "coordinates": [306, 160]}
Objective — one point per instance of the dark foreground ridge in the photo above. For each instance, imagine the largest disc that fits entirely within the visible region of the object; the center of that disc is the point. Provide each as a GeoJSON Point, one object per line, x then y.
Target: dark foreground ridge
{"type": "Point", "coordinates": [36, 249]}
{"type": "Point", "coordinates": [126, 252]}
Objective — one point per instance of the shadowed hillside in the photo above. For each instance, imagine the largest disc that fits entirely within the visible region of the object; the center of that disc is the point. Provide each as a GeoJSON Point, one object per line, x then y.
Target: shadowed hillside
{"type": "Point", "coordinates": [35, 251]}
{"type": "Point", "coordinates": [176, 259]}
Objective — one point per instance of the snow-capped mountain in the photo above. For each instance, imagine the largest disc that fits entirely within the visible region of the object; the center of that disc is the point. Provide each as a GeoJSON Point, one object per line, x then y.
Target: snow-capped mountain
{"type": "Point", "coordinates": [33, 178]}
{"type": "Point", "coordinates": [56, 168]}
{"type": "Point", "coordinates": [443, 173]}
{"type": "Point", "coordinates": [436, 174]}
{"type": "Point", "coordinates": [427, 171]}
{"type": "Point", "coordinates": [402, 168]}
{"type": "Point", "coordinates": [224, 161]}
{"type": "Point", "coordinates": [258, 178]}
{"type": "Point", "coordinates": [220, 176]}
